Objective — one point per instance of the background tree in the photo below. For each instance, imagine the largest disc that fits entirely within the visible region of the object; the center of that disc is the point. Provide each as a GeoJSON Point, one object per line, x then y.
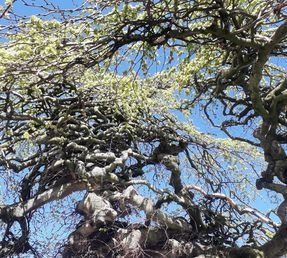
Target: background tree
{"type": "Point", "coordinates": [97, 105]}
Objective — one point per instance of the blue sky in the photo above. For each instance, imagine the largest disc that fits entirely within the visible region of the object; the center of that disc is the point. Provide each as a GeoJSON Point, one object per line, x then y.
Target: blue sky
{"type": "Point", "coordinates": [263, 202]}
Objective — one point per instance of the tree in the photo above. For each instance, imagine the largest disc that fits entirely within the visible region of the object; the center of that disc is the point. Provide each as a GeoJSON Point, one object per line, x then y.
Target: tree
{"type": "Point", "coordinates": [98, 98]}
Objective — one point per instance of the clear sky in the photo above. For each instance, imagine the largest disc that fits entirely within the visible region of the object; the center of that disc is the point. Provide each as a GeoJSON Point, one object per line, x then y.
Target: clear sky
{"type": "Point", "coordinates": [262, 202]}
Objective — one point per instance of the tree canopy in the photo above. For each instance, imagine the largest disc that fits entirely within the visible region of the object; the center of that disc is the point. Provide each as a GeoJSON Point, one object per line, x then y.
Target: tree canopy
{"type": "Point", "coordinates": [143, 128]}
